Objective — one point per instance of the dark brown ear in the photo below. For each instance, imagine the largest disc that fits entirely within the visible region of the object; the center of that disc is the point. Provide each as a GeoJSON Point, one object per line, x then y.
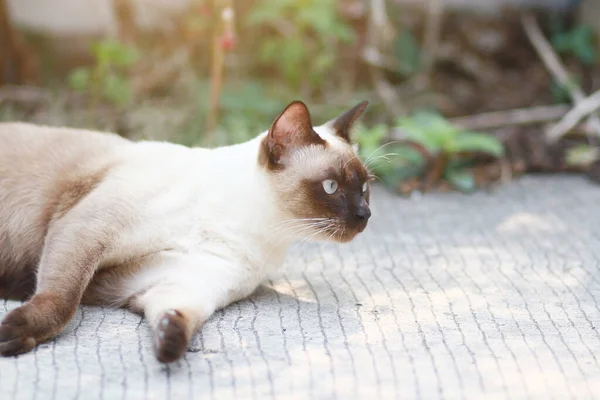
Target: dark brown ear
{"type": "Point", "coordinates": [342, 125]}
{"type": "Point", "coordinates": [292, 129]}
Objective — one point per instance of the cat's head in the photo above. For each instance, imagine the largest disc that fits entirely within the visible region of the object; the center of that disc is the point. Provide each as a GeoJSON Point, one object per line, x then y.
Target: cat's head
{"type": "Point", "coordinates": [321, 184]}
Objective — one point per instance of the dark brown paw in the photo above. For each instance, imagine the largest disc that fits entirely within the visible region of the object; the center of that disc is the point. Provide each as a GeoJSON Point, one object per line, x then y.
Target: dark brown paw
{"type": "Point", "coordinates": [170, 340]}
{"type": "Point", "coordinates": [16, 336]}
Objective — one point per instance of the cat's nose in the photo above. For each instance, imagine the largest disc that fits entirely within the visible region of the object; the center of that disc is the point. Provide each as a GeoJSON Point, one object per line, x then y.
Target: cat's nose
{"type": "Point", "coordinates": [362, 213]}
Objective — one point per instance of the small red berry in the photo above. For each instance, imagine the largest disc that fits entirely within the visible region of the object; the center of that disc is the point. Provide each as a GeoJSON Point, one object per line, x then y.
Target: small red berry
{"type": "Point", "coordinates": [227, 41]}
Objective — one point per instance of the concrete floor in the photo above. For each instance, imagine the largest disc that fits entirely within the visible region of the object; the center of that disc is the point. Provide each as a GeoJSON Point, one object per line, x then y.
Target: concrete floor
{"type": "Point", "coordinates": [493, 295]}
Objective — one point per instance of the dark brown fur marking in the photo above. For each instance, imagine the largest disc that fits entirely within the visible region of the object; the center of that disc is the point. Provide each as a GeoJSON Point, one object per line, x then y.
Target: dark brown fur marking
{"type": "Point", "coordinates": [58, 295]}
{"type": "Point", "coordinates": [19, 282]}
{"type": "Point", "coordinates": [73, 190]}
{"type": "Point", "coordinates": [291, 130]}
{"type": "Point", "coordinates": [343, 124]}
{"type": "Point", "coordinates": [35, 322]}
{"type": "Point", "coordinates": [310, 200]}
{"type": "Point", "coordinates": [171, 337]}
{"type": "Point", "coordinates": [19, 285]}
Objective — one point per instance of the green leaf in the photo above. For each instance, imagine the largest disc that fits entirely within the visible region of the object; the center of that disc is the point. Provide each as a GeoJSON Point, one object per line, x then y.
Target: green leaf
{"type": "Point", "coordinates": [269, 50]}
{"type": "Point", "coordinates": [125, 57]}
{"type": "Point", "coordinates": [79, 79]}
{"type": "Point", "coordinates": [112, 52]}
{"type": "Point", "coordinates": [116, 89]}
{"type": "Point", "coordinates": [429, 129]}
{"type": "Point", "coordinates": [323, 62]}
{"type": "Point", "coordinates": [368, 139]}
{"type": "Point", "coordinates": [582, 155]}
{"type": "Point", "coordinates": [587, 55]}
{"type": "Point", "coordinates": [317, 18]}
{"type": "Point", "coordinates": [268, 10]}
{"type": "Point", "coordinates": [461, 179]}
{"type": "Point", "coordinates": [262, 14]}
{"type": "Point", "coordinates": [560, 93]}
{"type": "Point", "coordinates": [579, 42]}
{"type": "Point", "coordinates": [405, 157]}
{"type": "Point", "coordinates": [404, 163]}
{"type": "Point", "coordinates": [475, 142]}
{"type": "Point", "coordinates": [343, 32]}
{"type": "Point", "coordinates": [249, 99]}
{"type": "Point", "coordinates": [392, 163]}
{"type": "Point", "coordinates": [104, 50]}
{"type": "Point", "coordinates": [309, 54]}
{"type": "Point", "coordinates": [292, 55]}
{"type": "Point", "coordinates": [406, 49]}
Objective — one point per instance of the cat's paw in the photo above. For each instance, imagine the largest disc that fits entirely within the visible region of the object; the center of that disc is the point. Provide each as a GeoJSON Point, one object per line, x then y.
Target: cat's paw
{"type": "Point", "coordinates": [171, 339]}
{"type": "Point", "coordinates": [16, 336]}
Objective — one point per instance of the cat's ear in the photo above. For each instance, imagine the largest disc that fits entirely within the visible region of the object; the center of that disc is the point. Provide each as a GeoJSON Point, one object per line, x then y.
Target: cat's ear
{"type": "Point", "coordinates": [292, 129]}
{"type": "Point", "coordinates": [342, 125]}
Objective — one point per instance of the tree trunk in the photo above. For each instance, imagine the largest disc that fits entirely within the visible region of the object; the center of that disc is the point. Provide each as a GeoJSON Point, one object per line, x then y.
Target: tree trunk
{"type": "Point", "coordinates": [16, 66]}
{"type": "Point", "coordinates": [124, 14]}
{"type": "Point", "coordinates": [9, 72]}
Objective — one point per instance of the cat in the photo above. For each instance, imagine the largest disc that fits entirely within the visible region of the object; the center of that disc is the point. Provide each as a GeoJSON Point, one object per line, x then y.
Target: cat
{"type": "Point", "coordinates": [171, 232]}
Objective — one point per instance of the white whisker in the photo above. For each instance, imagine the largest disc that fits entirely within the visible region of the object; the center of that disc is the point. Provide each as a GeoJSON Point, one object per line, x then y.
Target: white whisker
{"type": "Point", "coordinates": [289, 221]}
{"type": "Point", "coordinates": [383, 156]}
{"type": "Point", "coordinates": [381, 147]}
{"type": "Point", "coordinates": [290, 231]}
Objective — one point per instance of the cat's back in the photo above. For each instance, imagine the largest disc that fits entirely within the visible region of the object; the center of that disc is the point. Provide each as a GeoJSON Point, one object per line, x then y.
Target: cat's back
{"type": "Point", "coordinates": [45, 145]}
{"type": "Point", "coordinates": [34, 159]}
{"type": "Point", "coordinates": [41, 170]}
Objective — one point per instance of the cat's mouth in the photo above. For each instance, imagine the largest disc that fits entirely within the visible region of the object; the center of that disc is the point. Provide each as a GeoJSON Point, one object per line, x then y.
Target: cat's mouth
{"type": "Point", "coordinates": [319, 229]}
{"type": "Point", "coordinates": [342, 233]}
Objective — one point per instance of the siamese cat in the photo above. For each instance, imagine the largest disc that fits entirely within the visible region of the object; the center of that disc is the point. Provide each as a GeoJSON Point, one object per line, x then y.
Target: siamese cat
{"type": "Point", "coordinates": [165, 230]}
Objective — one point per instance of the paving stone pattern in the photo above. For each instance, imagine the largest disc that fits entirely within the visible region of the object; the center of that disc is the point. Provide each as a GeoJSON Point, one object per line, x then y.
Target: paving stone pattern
{"type": "Point", "coordinates": [491, 295]}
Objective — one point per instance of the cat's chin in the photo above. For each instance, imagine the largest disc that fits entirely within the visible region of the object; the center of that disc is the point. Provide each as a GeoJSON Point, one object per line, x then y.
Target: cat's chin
{"type": "Point", "coordinates": [347, 238]}
{"type": "Point", "coordinates": [344, 236]}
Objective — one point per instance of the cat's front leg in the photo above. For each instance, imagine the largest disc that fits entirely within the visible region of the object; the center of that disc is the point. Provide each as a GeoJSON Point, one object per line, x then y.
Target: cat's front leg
{"type": "Point", "coordinates": [185, 294]}
{"type": "Point", "coordinates": [72, 252]}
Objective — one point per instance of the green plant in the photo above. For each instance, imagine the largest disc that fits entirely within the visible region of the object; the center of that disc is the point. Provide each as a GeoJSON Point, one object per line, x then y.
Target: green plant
{"type": "Point", "coordinates": [407, 52]}
{"type": "Point", "coordinates": [391, 162]}
{"type": "Point", "coordinates": [431, 145]}
{"type": "Point", "coordinates": [438, 135]}
{"type": "Point", "coordinates": [451, 148]}
{"type": "Point", "coordinates": [562, 93]}
{"type": "Point", "coordinates": [106, 79]}
{"type": "Point", "coordinates": [582, 155]}
{"type": "Point", "coordinates": [247, 107]}
{"type": "Point", "coordinates": [305, 47]}
{"type": "Point", "coordinates": [578, 42]}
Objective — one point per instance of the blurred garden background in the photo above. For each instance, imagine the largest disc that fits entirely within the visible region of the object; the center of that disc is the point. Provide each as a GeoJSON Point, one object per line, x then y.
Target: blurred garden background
{"type": "Point", "coordinates": [464, 94]}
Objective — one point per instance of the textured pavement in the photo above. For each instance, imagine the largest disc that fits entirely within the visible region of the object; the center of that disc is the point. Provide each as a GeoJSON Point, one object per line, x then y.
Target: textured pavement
{"type": "Point", "coordinates": [492, 295]}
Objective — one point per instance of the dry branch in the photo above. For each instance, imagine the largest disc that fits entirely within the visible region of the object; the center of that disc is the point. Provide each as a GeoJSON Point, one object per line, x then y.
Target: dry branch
{"type": "Point", "coordinates": [125, 19]}
{"type": "Point", "coordinates": [520, 116]}
{"type": "Point", "coordinates": [218, 68]}
{"type": "Point", "coordinates": [433, 25]}
{"type": "Point", "coordinates": [554, 65]}
{"type": "Point", "coordinates": [573, 117]}
{"type": "Point", "coordinates": [17, 64]}
{"type": "Point", "coordinates": [499, 119]}
{"type": "Point", "coordinates": [23, 94]}
{"type": "Point", "coordinates": [378, 33]}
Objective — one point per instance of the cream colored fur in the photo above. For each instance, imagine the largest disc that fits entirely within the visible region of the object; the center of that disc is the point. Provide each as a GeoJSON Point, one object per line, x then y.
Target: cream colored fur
{"type": "Point", "coordinates": [164, 227]}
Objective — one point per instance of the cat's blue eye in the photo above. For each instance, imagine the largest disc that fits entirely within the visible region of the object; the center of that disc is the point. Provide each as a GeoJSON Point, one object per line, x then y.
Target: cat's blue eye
{"type": "Point", "coordinates": [365, 187]}
{"type": "Point", "coordinates": [330, 186]}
